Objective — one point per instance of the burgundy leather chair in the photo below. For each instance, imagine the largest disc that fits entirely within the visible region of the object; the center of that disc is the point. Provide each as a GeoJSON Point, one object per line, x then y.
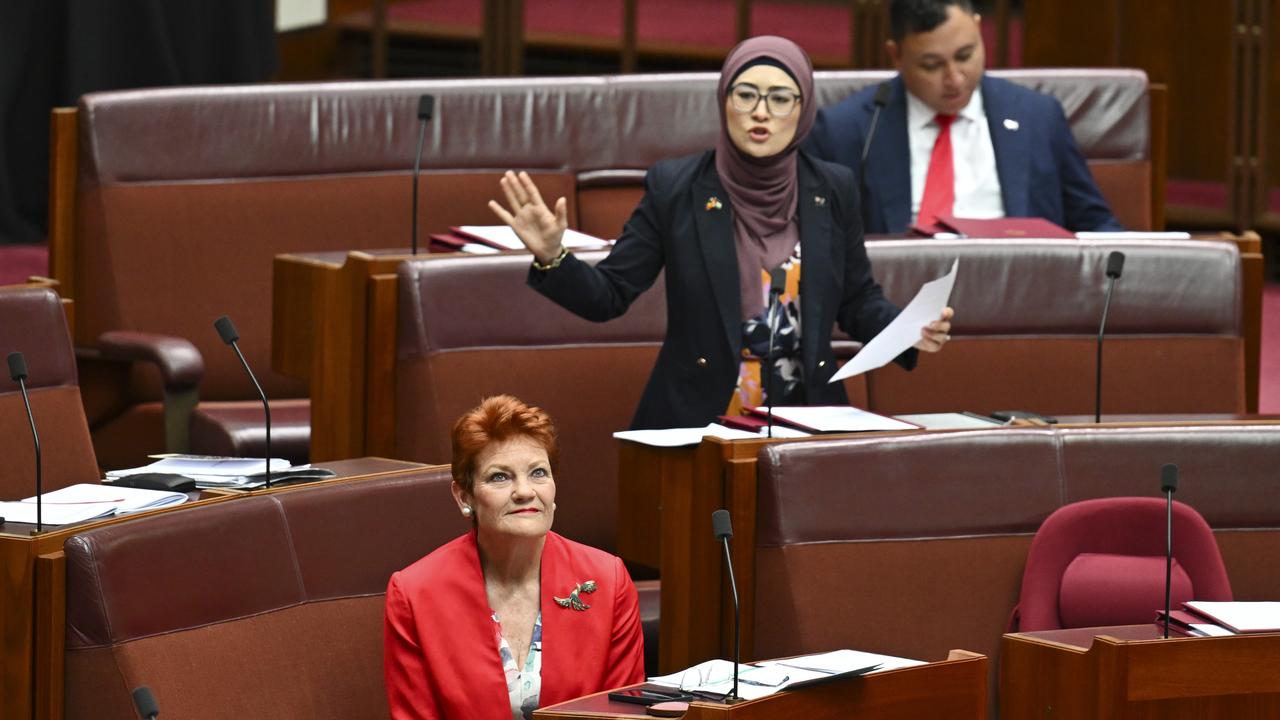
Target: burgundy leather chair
{"type": "Point", "coordinates": [1102, 562]}
{"type": "Point", "coordinates": [33, 323]}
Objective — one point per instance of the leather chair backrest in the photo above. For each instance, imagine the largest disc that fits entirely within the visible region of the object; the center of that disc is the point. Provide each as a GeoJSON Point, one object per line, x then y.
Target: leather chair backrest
{"type": "Point", "coordinates": [186, 194]}
{"type": "Point", "coordinates": [470, 328]}
{"type": "Point", "coordinates": [33, 323]}
{"type": "Point", "coordinates": [270, 605]}
{"type": "Point", "coordinates": [1027, 316]}
{"type": "Point", "coordinates": [916, 544]}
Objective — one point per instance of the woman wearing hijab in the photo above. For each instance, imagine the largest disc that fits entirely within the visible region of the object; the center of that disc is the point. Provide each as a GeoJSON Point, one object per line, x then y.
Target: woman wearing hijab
{"type": "Point", "coordinates": [722, 223]}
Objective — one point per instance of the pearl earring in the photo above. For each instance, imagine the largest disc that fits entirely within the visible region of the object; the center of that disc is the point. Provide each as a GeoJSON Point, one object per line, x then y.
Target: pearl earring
{"type": "Point", "coordinates": [466, 511]}
{"type": "Point", "coordinates": [553, 507]}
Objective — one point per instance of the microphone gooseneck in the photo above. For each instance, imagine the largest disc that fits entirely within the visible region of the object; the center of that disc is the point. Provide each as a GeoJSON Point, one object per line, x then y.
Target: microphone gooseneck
{"type": "Point", "coordinates": [880, 100]}
{"type": "Point", "coordinates": [777, 284]}
{"type": "Point", "coordinates": [227, 331]}
{"type": "Point", "coordinates": [18, 373]}
{"type": "Point", "coordinates": [145, 703]}
{"type": "Point", "coordinates": [1168, 484]}
{"type": "Point", "coordinates": [723, 528]}
{"type": "Point", "coordinates": [426, 106]}
{"type": "Point", "coordinates": [1115, 264]}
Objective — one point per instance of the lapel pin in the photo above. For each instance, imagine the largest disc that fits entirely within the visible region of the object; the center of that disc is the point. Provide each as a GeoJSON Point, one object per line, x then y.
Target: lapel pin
{"type": "Point", "coordinates": [1010, 124]}
{"type": "Point", "coordinates": [713, 203]}
{"type": "Point", "coordinates": [819, 200]}
{"type": "Point", "coordinates": [573, 602]}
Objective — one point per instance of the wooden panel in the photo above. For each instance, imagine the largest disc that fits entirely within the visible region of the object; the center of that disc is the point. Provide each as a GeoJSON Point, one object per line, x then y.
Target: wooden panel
{"type": "Point", "coordinates": [51, 625]}
{"type": "Point", "coordinates": [380, 385]}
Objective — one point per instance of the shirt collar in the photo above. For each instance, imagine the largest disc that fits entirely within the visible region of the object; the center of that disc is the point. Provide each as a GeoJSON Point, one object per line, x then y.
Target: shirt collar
{"type": "Point", "coordinates": [920, 115]}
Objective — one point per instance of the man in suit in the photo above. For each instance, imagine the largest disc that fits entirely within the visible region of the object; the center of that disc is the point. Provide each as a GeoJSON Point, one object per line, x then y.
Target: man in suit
{"type": "Point", "coordinates": [951, 141]}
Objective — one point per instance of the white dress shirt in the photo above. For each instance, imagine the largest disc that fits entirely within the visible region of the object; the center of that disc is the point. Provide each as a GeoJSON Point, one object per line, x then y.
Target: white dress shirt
{"type": "Point", "coordinates": [977, 182]}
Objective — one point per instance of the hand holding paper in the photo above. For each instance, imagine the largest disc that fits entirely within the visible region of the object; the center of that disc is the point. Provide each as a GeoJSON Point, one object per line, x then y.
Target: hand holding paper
{"type": "Point", "coordinates": [928, 307]}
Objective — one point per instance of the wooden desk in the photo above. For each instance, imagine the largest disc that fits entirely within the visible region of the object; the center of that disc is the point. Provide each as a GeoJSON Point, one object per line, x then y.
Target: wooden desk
{"type": "Point", "coordinates": [33, 593]}
{"type": "Point", "coordinates": [955, 688]}
{"type": "Point", "coordinates": [665, 500]}
{"type": "Point", "coordinates": [1129, 672]}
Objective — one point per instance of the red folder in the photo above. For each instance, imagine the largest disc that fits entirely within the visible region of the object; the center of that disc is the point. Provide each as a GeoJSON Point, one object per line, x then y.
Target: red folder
{"type": "Point", "coordinates": [1008, 227]}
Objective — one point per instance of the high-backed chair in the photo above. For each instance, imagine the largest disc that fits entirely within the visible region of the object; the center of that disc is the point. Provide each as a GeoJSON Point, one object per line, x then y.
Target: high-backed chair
{"type": "Point", "coordinates": [1102, 562]}
{"type": "Point", "coordinates": [33, 323]}
{"type": "Point", "coordinates": [263, 606]}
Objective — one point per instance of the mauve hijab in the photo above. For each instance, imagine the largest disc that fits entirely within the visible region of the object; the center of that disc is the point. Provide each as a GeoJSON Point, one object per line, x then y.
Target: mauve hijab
{"type": "Point", "coordinates": [763, 191]}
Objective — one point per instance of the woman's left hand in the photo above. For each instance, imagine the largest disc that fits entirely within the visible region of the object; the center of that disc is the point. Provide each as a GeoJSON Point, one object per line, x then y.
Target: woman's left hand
{"type": "Point", "coordinates": [937, 333]}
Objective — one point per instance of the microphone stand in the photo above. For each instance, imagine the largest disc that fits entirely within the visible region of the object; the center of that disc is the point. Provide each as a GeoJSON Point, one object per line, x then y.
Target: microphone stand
{"type": "Point", "coordinates": [774, 294]}
{"type": "Point", "coordinates": [1097, 397]}
{"type": "Point", "coordinates": [737, 620]}
{"type": "Point", "coordinates": [18, 372]}
{"type": "Point", "coordinates": [417, 165]}
{"type": "Point", "coordinates": [1169, 483]}
{"type": "Point", "coordinates": [266, 410]}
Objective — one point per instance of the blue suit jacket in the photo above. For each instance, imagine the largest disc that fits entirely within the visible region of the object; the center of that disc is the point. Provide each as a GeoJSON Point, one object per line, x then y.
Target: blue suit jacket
{"type": "Point", "coordinates": [1042, 172]}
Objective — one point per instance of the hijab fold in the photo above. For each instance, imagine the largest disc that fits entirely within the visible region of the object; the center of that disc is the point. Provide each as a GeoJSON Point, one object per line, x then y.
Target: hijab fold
{"type": "Point", "coordinates": [763, 192]}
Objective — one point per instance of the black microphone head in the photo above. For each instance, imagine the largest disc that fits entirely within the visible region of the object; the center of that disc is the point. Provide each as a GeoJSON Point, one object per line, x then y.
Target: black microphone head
{"type": "Point", "coordinates": [882, 94]}
{"type": "Point", "coordinates": [17, 366]}
{"type": "Point", "coordinates": [721, 524]}
{"type": "Point", "coordinates": [777, 281]}
{"type": "Point", "coordinates": [1115, 264]}
{"type": "Point", "coordinates": [145, 702]}
{"type": "Point", "coordinates": [1169, 478]}
{"type": "Point", "coordinates": [226, 330]}
{"type": "Point", "coordinates": [426, 106]}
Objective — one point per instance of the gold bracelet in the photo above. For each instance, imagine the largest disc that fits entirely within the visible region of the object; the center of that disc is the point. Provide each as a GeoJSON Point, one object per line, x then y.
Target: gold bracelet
{"type": "Point", "coordinates": [555, 262]}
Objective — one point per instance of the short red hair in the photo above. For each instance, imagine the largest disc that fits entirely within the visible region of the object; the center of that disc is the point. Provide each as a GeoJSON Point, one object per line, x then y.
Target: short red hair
{"type": "Point", "coordinates": [495, 419]}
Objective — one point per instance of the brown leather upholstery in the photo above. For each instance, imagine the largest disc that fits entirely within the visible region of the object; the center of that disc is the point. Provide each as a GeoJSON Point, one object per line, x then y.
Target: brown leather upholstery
{"type": "Point", "coordinates": [33, 323]}
{"type": "Point", "coordinates": [270, 605]}
{"type": "Point", "coordinates": [913, 545]}
{"type": "Point", "coordinates": [1027, 314]}
{"type": "Point", "coordinates": [235, 429]}
{"type": "Point", "coordinates": [186, 194]}
{"type": "Point", "coordinates": [469, 328]}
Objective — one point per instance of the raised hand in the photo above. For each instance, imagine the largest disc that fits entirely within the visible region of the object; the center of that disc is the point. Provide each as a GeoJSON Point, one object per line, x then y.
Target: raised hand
{"type": "Point", "coordinates": [538, 227]}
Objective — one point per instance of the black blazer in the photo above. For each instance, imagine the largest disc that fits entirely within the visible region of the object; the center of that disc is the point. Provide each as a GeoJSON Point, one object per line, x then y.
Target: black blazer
{"type": "Point", "coordinates": [676, 227]}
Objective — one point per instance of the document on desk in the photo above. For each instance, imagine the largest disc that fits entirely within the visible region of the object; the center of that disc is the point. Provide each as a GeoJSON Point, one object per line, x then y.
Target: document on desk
{"type": "Point", "coordinates": [502, 236]}
{"type": "Point", "coordinates": [904, 331]}
{"type": "Point", "coordinates": [85, 501]}
{"type": "Point", "coordinates": [683, 437]}
{"type": "Point", "coordinates": [714, 678]}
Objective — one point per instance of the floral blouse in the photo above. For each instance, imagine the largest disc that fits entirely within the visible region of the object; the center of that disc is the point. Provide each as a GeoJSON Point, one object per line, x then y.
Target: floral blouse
{"type": "Point", "coordinates": [523, 686]}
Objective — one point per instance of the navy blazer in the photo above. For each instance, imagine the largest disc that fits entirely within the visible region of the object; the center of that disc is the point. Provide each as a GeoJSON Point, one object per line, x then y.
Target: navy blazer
{"type": "Point", "coordinates": [1042, 172]}
{"type": "Point", "coordinates": [678, 227]}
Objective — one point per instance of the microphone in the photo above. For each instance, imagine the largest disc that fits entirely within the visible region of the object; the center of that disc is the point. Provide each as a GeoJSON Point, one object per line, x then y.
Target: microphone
{"type": "Point", "coordinates": [777, 284]}
{"type": "Point", "coordinates": [723, 528]}
{"type": "Point", "coordinates": [18, 373]}
{"type": "Point", "coordinates": [880, 100]}
{"type": "Point", "coordinates": [227, 332]}
{"type": "Point", "coordinates": [1168, 484]}
{"type": "Point", "coordinates": [426, 105]}
{"type": "Point", "coordinates": [1115, 264]}
{"type": "Point", "coordinates": [145, 702]}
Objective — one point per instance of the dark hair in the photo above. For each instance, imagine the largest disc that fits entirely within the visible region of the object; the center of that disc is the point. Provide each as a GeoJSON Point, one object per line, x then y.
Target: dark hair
{"type": "Point", "coordinates": [495, 419]}
{"type": "Point", "coordinates": [765, 60]}
{"type": "Point", "coordinates": [907, 17]}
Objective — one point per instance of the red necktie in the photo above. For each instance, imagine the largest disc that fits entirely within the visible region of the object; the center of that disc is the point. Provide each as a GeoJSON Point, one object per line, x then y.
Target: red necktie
{"type": "Point", "coordinates": [940, 183]}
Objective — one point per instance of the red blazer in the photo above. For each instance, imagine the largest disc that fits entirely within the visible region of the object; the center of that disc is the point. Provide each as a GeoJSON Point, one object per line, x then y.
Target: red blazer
{"type": "Point", "coordinates": [440, 657]}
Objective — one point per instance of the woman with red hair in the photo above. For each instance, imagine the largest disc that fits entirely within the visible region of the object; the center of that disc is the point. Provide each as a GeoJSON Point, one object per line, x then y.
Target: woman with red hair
{"type": "Point", "coordinates": [510, 616]}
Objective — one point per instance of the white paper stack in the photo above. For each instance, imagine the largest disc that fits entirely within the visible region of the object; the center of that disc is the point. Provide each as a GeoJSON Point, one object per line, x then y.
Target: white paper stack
{"type": "Point", "coordinates": [210, 472]}
{"type": "Point", "coordinates": [760, 679]}
{"type": "Point", "coordinates": [82, 502]}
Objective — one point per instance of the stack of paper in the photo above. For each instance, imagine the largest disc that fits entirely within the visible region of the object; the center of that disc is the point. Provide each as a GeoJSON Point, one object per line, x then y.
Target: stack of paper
{"type": "Point", "coordinates": [82, 502]}
{"type": "Point", "coordinates": [211, 472]}
{"type": "Point", "coordinates": [714, 678]}
{"type": "Point", "coordinates": [1240, 617]}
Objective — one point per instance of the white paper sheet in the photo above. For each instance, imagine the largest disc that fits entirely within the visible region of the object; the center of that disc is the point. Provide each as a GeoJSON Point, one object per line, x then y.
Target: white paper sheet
{"type": "Point", "coordinates": [84, 501]}
{"type": "Point", "coordinates": [504, 236]}
{"type": "Point", "coordinates": [765, 678]}
{"type": "Point", "coordinates": [836, 418]}
{"type": "Point", "coordinates": [1113, 235]}
{"type": "Point", "coordinates": [904, 331]}
{"type": "Point", "coordinates": [1262, 616]}
{"type": "Point", "coordinates": [681, 437]}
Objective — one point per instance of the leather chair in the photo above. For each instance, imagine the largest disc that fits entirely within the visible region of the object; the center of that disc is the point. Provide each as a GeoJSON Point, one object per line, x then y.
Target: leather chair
{"type": "Point", "coordinates": [267, 606]}
{"type": "Point", "coordinates": [33, 322]}
{"type": "Point", "coordinates": [1102, 562]}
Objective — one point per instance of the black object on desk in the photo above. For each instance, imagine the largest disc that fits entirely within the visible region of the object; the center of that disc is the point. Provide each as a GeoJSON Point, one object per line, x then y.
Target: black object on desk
{"type": "Point", "coordinates": [168, 482]}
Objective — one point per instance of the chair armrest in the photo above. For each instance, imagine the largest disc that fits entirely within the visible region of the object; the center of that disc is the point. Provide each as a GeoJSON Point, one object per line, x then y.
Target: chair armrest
{"type": "Point", "coordinates": [179, 362]}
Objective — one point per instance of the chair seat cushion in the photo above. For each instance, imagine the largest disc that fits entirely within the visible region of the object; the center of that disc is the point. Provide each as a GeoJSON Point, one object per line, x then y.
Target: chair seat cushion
{"type": "Point", "coordinates": [236, 429]}
{"type": "Point", "coordinates": [1101, 589]}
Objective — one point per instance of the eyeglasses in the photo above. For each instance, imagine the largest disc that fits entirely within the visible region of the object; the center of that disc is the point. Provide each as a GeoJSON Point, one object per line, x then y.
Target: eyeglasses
{"type": "Point", "coordinates": [780, 102]}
